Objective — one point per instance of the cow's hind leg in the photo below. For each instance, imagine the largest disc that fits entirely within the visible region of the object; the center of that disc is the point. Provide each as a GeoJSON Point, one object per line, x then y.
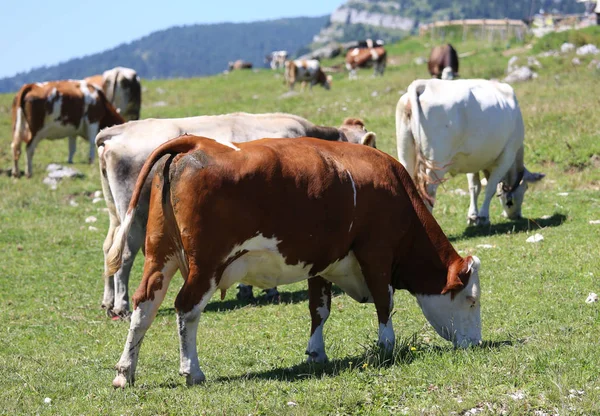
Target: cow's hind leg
{"type": "Point", "coordinates": [190, 303]}
{"type": "Point", "coordinates": [496, 174]}
{"type": "Point", "coordinates": [92, 132]}
{"type": "Point", "coordinates": [474, 190]}
{"type": "Point", "coordinates": [319, 303]}
{"type": "Point", "coordinates": [147, 300]}
{"type": "Point", "coordinates": [72, 147]}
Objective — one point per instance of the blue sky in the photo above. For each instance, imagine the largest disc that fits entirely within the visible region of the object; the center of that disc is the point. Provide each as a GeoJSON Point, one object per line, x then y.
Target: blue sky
{"type": "Point", "coordinates": [40, 32]}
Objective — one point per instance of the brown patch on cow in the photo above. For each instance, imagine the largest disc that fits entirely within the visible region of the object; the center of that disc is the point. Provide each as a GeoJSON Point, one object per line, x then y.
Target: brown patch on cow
{"type": "Point", "coordinates": [366, 57]}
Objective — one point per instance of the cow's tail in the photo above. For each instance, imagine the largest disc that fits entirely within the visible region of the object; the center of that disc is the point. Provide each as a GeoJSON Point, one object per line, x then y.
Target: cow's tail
{"type": "Point", "coordinates": [178, 145]}
{"type": "Point", "coordinates": [20, 126]}
{"type": "Point", "coordinates": [421, 177]}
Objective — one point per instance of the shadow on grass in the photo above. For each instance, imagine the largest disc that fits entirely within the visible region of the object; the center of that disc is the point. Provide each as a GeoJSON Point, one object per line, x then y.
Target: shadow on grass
{"type": "Point", "coordinates": [231, 304]}
{"type": "Point", "coordinates": [517, 226]}
{"type": "Point", "coordinates": [405, 353]}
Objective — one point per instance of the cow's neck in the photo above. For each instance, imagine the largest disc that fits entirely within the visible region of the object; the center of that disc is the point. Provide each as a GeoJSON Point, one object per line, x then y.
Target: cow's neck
{"type": "Point", "coordinates": [430, 256]}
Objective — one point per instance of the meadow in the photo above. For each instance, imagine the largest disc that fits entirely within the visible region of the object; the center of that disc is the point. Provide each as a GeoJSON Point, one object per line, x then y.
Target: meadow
{"type": "Point", "coordinates": [540, 353]}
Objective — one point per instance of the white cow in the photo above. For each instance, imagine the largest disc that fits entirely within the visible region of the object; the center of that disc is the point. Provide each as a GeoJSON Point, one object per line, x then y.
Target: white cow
{"type": "Point", "coordinates": [122, 152]}
{"type": "Point", "coordinates": [464, 126]}
{"type": "Point", "coordinates": [277, 59]}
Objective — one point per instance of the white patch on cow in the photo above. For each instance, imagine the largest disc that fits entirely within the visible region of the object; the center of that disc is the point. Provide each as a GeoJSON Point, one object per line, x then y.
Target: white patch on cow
{"type": "Point", "coordinates": [459, 319]}
{"type": "Point", "coordinates": [387, 338]}
{"type": "Point", "coordinates": [52, 94]}
{"type": "Point", "coordinates": [40, 84]}
{"type": "Point", "coordinates": [316, 344]}
{"type": "Point", "coordinates": [264, 266]}
{"type": "Point", "coordinates": [354, 193]}
{"type": "Point", "coordinates": [374, 55]}
{"type": "Point", "coordinates": [228, 144]}
{"type": "Point", "coordinates": [355, 52]}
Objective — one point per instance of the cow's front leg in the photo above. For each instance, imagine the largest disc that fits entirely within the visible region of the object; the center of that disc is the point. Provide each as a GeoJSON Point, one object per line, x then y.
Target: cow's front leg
{"type": "Point", "coordinates": [474, 190]}
{"type": "Point", "coordinates": [319, 304]}
{"type": "Point", "coordinates": [190, 303]}
{"type": "Point", "coordinates": [147, 300]}
{"type": "Point", "coordinates": [72, 147]}
{"type": "Point", "coordinates": [92, 132]}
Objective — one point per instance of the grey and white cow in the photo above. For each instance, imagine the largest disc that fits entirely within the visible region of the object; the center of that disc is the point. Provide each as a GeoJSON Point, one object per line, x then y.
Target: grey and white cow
{"type": "Point", "coordinates": [122, 151]}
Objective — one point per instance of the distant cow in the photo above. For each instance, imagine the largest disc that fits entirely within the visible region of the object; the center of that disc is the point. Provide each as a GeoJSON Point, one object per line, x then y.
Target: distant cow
{"type": "Point", "coordinates": [279, 211]}
{"type": "Point", "coordinates": [276, 59]}
{"type": "Point", "coordinates": [122, 150]}
{"type": "Point", "coordinates": [123, 89]}
{"type": "Point", "coordinates": [55, 110]}
{"type": "Point", "coordinates": [443, 62]}
{"type": "Point", "coordinates": [366, 57]}
{"type": "Point", "coordinates": [364, 43]}
{"type": "Point", "coordinates": [239, 64]}
{"type": "Point", "coordinates": [464, 126]}
{"type": "Point", "coordinates": [306, 71]}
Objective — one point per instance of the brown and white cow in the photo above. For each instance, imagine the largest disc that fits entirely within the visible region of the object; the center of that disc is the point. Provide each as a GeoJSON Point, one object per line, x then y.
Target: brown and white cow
{"type": "Point", "coordinates": [443, 62]}
{"type": "Point", "coordinates": [276, 59]}
{"type": "Point", "coordinates": [122, 151]}
{"type": "Point", "coordinates": [306, 71]}
{"type": "Point", "coordinates": [55, 110]}
{"type": "Point", "coordinates": [239, 64]}
{"type": "Point", "coordinates": [278, 211]}
{"type": "Point", "coordinates": [123, 89]}
{"type": "Point", "coordinates": [366, 57]}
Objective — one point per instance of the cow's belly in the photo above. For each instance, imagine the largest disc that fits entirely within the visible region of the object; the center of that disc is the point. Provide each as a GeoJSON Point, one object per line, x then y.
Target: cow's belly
{"type": "Point", "coordinates": [58, 131]}
{"type": "Point", "coordinates": [264, 266]}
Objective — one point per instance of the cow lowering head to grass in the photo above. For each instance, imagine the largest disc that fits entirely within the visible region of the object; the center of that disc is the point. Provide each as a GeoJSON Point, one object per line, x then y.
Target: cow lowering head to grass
{"type": "Point", "coordinates": [278, 211]}
{"type": "Point", "coordinates": [464, 126]}
{"type": "Point", "coordinates": [122, 151]}
{"type": "Point", "coordinates": [443, 62]}
{"type": "Point", "coordinates": [306, 71]}
{"type": "Point", "coordinates": [55, 110]}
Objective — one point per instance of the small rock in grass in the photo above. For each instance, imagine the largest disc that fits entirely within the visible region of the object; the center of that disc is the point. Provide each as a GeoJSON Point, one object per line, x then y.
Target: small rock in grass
{"type": "Point", "coordinates": [47, 400]}
{"type": "Point", "coordinates": [460, 192]}
{"type": "Point", "coordinates": [98, 194]}
{"type": "Point", "coordinates": [291, 404]}
{"type": "Point", "coordinates": [536, 238]}
{"type": "Point", "coordinates": [563, 194]}
{"type": "Point", "coordinates": [92, 228]}
{"type": "Point", "coordinates": [73, 203]}
{"type": "Point", "coordinates": [96, 200]}
{"type": "Point", "coordinates": [592, 297]}
{"type": "Point", "coordinates": [91, 219]}
{"type": "Point", "coordinates": [485, 246]}
{"type": "Point", "coordinates": [594, 221]}
{"type": "Point", "coordinates": [576, 61]}
{"type": "Point", "coordinates": [19, 247]}
{"type": "Point", "coordinates": [518, 395]}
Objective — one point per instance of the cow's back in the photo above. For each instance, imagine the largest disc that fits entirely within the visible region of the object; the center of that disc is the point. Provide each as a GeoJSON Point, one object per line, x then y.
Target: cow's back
{"type": "Point", "coordinates": [468, 123]}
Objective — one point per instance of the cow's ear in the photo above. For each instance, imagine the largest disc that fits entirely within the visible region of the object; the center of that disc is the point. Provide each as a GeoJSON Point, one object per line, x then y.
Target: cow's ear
{"type": "Point", "coordinates": [369, 139]}
{"type": "Point", "coordinates": [460, 268]}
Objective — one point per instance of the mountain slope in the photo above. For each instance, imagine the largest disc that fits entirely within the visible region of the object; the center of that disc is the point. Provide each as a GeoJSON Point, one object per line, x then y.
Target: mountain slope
{"type": "Point", "coordinates": [185, 51]}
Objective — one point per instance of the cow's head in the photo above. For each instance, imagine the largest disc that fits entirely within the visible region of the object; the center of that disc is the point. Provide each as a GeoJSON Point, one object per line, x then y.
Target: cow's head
{"type": "Point", "coordinates": [456, 313]}
{"type": "Point", "coordinates": [511, 196]}
{"type": "Point", "coordinates": [355, 131]}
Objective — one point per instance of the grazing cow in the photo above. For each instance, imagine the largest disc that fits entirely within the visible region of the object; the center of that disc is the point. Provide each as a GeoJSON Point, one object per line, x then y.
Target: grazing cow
{"type": "Point", "coordinates": [443, 62]}
{"type": "Point", "coordinates": [123, 89]}
{"type": "Point", "coordinates": [306, 71]}
{"type": "Point", "coordinates": [123, 150]}
{"type": "Point", "coordinates": [239, 64]}
{"type": "Point", "coordinates": [364, 43]}
{"type": "Point", "coordinates": [464, 126]}
{"type": "Point", "coordinates": [278, 211]}
{"type": "Point", "coordinates": [276, 59]}
{"type": "Point", "coordinates": [366, 57]}
{"type": "Point", "coordinates": [58, 109]}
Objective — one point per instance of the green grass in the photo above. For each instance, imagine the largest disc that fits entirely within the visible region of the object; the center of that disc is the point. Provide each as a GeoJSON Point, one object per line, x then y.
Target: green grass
{"type": "Point", "coordinates": [540, 336]}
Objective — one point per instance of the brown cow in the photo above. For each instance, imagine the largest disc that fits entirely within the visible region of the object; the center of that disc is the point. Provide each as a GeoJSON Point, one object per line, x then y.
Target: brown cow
{"type": "Point", "coordinates": [443, 62]}
{"type": "Point", "coordinates": [239, 64]}
{"type": "Point", "coordinates": [278, 211]}
{"type": "Point", "coordinates": [58, 109]}
{"type": "Point", "coordinates": [366, 57]}
{"type": "Point", "coordinates": [305, 71]}
{"type": "Point", "coordinates": [122, 88]}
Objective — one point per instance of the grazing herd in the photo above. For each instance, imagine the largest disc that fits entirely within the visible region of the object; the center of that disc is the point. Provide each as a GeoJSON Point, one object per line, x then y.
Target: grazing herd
{"type": "Point", "coordinates": [271, 199]}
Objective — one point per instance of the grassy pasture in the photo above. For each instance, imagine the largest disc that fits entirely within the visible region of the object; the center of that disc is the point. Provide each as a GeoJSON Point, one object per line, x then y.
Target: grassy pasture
{"type": "Point", "coordinates": [541, 345]}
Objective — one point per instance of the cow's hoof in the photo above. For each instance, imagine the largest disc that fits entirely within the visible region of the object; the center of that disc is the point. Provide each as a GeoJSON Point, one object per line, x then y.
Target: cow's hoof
{"type": "Point", "coordinates": [244, 293]}
{"type": "Point", "coordinates": [472, 220]}
{"type": "Point", "coordinates": [272, 295]}
{"type": "Point", "coordinates": [191, 380]}
{"type": "Point", "coordinates": [120, 381]}
{"type": "Point", "coordinates": [481, 221]}
{"type": "Point", "coordinates": [318, 357]}
{"type": "Point", "coordinates": [116, 315]}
